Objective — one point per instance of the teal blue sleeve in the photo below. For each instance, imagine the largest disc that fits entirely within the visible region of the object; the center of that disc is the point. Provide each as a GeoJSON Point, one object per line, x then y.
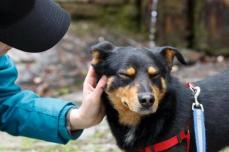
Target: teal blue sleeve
{"type": "Point", "coordinates": [23, 113]}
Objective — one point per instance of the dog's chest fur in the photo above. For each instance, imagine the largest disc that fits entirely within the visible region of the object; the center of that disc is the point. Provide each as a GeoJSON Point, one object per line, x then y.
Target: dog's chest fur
{"type": "Point", "coordinates": [130, 136]}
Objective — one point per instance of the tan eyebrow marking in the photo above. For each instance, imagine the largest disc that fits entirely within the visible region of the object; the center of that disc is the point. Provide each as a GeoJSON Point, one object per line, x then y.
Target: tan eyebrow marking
{"type": "Point", "coordinates": [152, 70]}
{"type": "Point", "coordinates": [131, 71]}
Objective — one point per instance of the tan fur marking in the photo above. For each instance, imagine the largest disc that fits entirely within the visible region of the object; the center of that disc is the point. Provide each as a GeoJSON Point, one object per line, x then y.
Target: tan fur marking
{"type": "Point", "coordinates": [164, 86]}
{"type": "Point", "coordinates": [131, 71]}
{"type": "Point", "coordinates": [169, 56]}
{"type": "Point", "coordinates": [109, 83]}
{"type": "Point", "coordinates": [95, 57]}
{"type": "Point", "coordinates": [152, 70]}
{"type": "Point", "coordinates": [158, 94]}
{"type": "Point", "coordinates": [127, 95]}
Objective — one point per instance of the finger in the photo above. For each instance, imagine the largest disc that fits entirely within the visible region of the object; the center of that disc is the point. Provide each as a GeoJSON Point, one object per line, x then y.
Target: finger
{"type": "Point", "coordinates": [91, 71]}
{"type": "Point", "coordinates": [90, 77]}
{"type": "Point", "coordinates": [100, 86]}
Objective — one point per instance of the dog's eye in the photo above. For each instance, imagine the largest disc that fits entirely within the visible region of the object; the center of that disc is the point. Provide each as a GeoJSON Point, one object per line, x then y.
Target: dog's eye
{"type": "Point", "coordinates": [155, 75]}
{"type": "Point", "coordinates": [124, 75]}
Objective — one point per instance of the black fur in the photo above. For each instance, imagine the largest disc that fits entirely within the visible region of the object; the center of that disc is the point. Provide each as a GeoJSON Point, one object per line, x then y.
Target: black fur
{"type": "Point", "coordinates": [12, 11]}
{"type": "Point", "coordinates": [174, 113]}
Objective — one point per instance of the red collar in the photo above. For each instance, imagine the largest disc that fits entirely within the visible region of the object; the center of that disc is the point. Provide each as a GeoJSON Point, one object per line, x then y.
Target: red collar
{"type": "Point", "coordinates": [169, 143]}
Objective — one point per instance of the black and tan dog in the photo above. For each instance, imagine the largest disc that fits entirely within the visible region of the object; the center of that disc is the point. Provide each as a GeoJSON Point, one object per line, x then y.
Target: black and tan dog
{"type": "Point", "coordinates": [146, 105]}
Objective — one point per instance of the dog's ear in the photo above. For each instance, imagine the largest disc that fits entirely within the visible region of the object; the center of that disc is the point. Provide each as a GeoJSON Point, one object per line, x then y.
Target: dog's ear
{"type": "Point", "coordinates": [101, 51]}
{"type": "Point", "coordinates": [168, 53]}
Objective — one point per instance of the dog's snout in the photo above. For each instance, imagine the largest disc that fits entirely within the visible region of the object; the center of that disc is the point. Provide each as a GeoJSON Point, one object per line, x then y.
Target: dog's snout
{"type": "Point", "coordinates": [146, 99]}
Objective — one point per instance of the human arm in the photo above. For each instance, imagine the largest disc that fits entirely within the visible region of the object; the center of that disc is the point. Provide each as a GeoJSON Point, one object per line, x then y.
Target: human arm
{"type": "Point", "coordinates": [26, 114]}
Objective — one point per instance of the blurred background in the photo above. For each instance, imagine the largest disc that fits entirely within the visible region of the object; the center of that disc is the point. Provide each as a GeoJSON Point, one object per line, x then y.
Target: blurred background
{"type": "Point", "coordinates": [199, 28]}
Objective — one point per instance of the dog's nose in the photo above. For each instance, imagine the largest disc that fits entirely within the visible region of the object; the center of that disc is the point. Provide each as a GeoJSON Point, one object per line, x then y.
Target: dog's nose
{"type": "Point", "coordinates": [146, 99]}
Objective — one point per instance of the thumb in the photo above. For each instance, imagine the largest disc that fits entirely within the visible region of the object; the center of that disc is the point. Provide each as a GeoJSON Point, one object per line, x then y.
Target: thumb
{"type": "Point", "coordinates": [100, 86]}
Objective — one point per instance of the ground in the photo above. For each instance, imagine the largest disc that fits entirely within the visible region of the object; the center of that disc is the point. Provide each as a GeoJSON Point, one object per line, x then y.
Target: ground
{"type": "Point", "coordinates": [60, 73]}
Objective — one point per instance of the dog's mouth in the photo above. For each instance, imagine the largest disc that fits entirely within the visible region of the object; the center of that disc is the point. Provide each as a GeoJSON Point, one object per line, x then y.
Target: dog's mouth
{"type": "Point", "coordinates": [145, 111]}
{"type": "Point", "coordinates": [142, 110]}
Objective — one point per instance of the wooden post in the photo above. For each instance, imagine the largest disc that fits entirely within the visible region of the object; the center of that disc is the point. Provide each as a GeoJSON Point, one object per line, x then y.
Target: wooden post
{"type": "Point", "coordinates": [172, 23]}
{"type": "Point", "coordinates": [199, 27]}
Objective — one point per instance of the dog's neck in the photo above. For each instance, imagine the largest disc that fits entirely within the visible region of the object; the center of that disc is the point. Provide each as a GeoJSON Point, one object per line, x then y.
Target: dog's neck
{"type": "Point", "coordinates": [169, 120]}
{"type": "Point", "coordinates": [183, 107]}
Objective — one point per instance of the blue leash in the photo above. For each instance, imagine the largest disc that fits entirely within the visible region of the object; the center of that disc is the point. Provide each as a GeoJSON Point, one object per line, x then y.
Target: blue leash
{"type": "Point", "coordinates": [198, 118]}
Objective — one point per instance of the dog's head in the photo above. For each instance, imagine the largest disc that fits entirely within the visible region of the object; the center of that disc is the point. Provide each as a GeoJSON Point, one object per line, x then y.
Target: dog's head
{"type": "Point", "coordinates": [137, 77]}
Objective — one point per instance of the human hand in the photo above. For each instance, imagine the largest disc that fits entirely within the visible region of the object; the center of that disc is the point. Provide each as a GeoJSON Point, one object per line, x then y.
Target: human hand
{"type": "Point", "coordinates": [91, 112]}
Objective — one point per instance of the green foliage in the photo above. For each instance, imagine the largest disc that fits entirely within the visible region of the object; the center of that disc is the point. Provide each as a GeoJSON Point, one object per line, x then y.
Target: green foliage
{"type": "Point", "coordinates": [63, 91]}
{"type": "Point", "coordinates": [122, 18]}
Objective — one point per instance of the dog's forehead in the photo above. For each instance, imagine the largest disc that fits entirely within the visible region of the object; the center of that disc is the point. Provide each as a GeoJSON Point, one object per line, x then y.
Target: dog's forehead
{"type": "Point", "coordinates": [136, 56]}
{"type": "Point", "coordinates": [130, 50]}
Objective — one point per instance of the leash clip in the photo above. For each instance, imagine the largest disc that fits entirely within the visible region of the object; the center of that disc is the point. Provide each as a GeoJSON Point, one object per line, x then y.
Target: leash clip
{"type": "Point", "coordinates": [198, 118]}
{"type": "Point", "coordinates": [196, 92]}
